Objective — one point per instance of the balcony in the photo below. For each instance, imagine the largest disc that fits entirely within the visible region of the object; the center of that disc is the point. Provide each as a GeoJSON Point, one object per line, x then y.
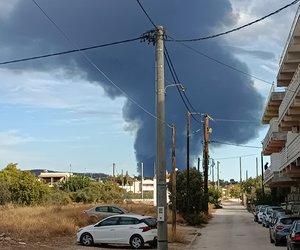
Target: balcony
{"type": "Point", "coordinates": [290, 157]}
{"type": "Point", "coordinates": [290, 58]}
{"type": "Point", "coordinates": [289, 110]}
{"type": "Point", "coordinates": [272, 175]}
{"type": "Point", "coordinates": [274, 140]}
{"type": "Point", "coordinates": [272, 106]}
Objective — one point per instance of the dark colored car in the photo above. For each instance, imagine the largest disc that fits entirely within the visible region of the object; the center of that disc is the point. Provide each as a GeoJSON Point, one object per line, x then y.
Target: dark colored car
{"type": "Point", "coordinates": [280, 228]}
{"type": "Point", "coordinates": [293, 238]}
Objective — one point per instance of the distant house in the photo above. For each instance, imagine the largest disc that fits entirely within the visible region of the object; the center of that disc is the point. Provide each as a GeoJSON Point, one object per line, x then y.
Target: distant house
{"type": "Point", "coordinates": [52, 178]}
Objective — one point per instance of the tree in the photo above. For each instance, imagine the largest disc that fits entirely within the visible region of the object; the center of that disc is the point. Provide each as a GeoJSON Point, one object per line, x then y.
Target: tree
{"type": "Point", "coordinates": [75, 183]}
{"type": "Point", "coordinates": [195, 192]}
{"type": "Point", "coordinates": [214, 195]}
{"type": "Point", "coordinates": [23, 186]}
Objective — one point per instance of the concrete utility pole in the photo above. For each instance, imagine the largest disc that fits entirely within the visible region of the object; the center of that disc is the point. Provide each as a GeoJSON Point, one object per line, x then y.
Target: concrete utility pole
{"type": "Point", "coordinates": [173, 183]}
{"type": "Point", "coordinates": [142, 179]}
{"type": "Point", "coordinates": [114, 166]}
{"type": "Point", "coordinates": [218, 173]}
{"type": "Point", "coordinates": [256, 167]}
{"type": "Point", "coordinates": [246, 175]}
{"type": "Point", "coordinates": [205, 159]}
{"type": "Point", "coordinates": [213, 172]}
{"type": "Point", "coordinates": [188, 160]}
{"type": "Point", "coordinates": [262, 173]}
{"type": "Point", "coordinates": [241, 179]}
{"type": "Point", "coordinates": [162, 230]}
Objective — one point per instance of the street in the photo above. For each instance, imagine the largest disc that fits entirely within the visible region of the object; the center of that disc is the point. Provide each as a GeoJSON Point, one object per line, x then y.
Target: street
{"type": "Point", "coordinates": [233, 228]}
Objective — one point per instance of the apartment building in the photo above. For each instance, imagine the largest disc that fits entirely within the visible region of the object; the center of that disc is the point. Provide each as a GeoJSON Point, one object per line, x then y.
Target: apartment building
{"type": "Point", "coordinates": [282, 113]}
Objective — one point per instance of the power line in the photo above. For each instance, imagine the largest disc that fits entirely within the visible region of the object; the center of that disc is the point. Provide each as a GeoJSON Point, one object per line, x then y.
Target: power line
{"type": "Point", "coordinates": [171, 67]}
{"type": "Point", "coordinates": [145, 12]}
{"type": "Point", "coordinates": [176, 80]}
{"type": "Point", "coordinates": [97, 68]}
{"type": "Point", "coordinates": [71, 51]}
{"type": "Point", "coordinates": [235, 157]}
{"type": "Point", "coordinates": [232, 120]}
{"type": "Point", "coordinates": [238, 28]}
{"type": "Point", "coordinates": [234, 144]}
{"type": "Point", "coordinates": [224, 64]}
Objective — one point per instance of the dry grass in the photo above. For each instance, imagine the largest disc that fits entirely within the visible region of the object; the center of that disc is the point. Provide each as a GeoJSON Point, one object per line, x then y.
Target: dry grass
{"type": "Point", "coordinates": [45, 223]}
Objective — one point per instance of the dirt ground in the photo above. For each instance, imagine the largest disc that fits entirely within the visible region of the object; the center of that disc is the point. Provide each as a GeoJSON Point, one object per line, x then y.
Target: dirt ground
{"type": "Point", "coordinates": [69, 243]}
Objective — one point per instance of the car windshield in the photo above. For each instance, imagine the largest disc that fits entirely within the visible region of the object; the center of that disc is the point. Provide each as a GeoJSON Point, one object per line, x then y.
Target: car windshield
{"type": "Point", "coordinates": [288, 221]}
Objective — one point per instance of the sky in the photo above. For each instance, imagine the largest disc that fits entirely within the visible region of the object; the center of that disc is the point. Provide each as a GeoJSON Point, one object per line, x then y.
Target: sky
{"type": "Point", "coordinates": [75, 112]}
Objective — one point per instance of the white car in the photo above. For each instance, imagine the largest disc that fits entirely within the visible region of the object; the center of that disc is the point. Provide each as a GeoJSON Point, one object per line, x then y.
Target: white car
{"type": "Point", "coordinates": [124, 229]}
{"type": "Point", "coordinates": [105, 211]}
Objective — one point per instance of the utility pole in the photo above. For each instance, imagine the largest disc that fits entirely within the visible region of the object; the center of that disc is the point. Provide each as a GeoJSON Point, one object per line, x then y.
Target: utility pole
{"type": "Point", "coordinates": [198, 164]}
{"type": "Point", "coordinates": [173, 183]}
{"type": "Point", "coordinates": [256, 167]}
{"type": "Point", "coordinates": [262, 173]}
{"type": "Point", "coordinates": [246, 175]}
{"type": "Point", "coordinates": [162, 230]}
{"type": "Point", "coordinates": [114, 165]}
{"type": "Point", "coordinates": [241, 179]}
{"type": "Point", "coordinates": [213, 172]}
{"type": "Point", "coordinates": [205, 159]}
{"type": "Point", "coordinates": [142, 180]}
{"type": "Point", "coordinates": [218, 173]}
{"type": "Point", "coordinates": [188, 160]}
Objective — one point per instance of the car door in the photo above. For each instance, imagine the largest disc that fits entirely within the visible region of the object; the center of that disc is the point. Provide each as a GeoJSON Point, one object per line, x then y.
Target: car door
{"type": "Point", "coordinates": [127, 227]}
{"type": "Point", "coordinates": [105, 231]}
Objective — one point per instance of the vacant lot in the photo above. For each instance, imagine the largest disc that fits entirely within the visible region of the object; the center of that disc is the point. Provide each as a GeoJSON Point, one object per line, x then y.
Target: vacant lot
{"type": "Point", "coordinates": [54, 227]}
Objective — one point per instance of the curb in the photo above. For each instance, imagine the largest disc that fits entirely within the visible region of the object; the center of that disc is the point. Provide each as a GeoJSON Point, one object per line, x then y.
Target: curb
{"type": "Point", "coordinates": [197, 233]}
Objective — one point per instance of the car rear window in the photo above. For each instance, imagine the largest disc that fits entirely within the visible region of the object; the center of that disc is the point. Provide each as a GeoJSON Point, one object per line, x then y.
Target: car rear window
{"type": "Point", "coordinates": [150, 222]}
{"type": "Point", "coordinates": [289, 221]}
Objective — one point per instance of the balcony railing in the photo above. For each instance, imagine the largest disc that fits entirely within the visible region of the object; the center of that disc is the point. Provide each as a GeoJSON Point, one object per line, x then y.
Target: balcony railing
{"type": "Point", "coordinates": [290, 36]}
{"type": "Point", "coordinates": [273, 128]}
{"type": "Point", "coordinates": [290, 94]}
{"type": "Point", "coordinates": [290, 152]}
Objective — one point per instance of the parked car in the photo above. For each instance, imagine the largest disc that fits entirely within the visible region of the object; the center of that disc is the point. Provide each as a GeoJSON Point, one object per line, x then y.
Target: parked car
{"type": "Point", "coordinates": [280, 229]}
{"type": "Point", "coordinates": [260, 213]}
{"type": "Point", "coordinates": [293, 237]}
{"type": "Point", "coordinates": [105, 210]}
{"type": "Point", "coordinates": [125, 229]}
{"type": "Point", "coordinates": [255, 213]}
{"type": "Point", "coordinates": [267, 213]}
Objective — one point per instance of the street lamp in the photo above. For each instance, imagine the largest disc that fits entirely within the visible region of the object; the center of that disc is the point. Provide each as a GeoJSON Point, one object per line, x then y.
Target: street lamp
{"type": "Point", "coordinates": [181, 87]}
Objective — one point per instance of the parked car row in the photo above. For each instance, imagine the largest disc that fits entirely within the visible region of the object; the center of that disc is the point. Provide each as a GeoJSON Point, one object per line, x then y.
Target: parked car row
{"type": "Point", "coordinates": [122, 228]}
{"type": "Point", "coordinates": [284, 229]}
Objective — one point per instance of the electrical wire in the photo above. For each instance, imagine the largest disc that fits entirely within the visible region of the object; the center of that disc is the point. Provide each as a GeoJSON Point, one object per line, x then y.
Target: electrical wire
{"type": "Point", "coordinates": [231, 120]}
{"type": "Point", "coordinates": [238, 28]}
{"type": "Point", "coordinates": [234, 144]}
{"type": "Point", "coordinates": [223, 64]}
{"type": "Point", "coordinates": [145, 12]}
{"type": "Point", "coordinates": [176, 80]}
{"type": "Point", "coordinates": [70, 51]}
{"type": "Point", "coordinates": [97, 68]}
{"type": "Point", "coordinates": [235, 157]}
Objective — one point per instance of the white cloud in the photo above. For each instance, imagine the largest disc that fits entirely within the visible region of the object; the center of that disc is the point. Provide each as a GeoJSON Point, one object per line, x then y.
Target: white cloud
{"type": "Point", "coordinates": [13, 138]}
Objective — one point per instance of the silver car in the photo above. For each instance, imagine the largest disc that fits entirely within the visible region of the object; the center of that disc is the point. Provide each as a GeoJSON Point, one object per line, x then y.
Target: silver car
{"type": "Point", "coordinates": [105, 210]}
{"type": "Point", "coordinates": [281, 227]}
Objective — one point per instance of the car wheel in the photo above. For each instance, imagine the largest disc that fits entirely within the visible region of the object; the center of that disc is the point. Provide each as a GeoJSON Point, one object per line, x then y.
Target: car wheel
{"type": "Point", "coordinates": [86, 239]}
{"type": "Point", "coordinates": [136, 241]}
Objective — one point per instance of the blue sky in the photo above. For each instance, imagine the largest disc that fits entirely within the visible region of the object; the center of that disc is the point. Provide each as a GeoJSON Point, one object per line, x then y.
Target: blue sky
{"type": "Point", "coordinates": [59, 114]}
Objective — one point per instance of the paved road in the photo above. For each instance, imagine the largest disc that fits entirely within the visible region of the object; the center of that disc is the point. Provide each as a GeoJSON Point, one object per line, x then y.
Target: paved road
{"type": "Point", "coordinates": [233, 228]}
